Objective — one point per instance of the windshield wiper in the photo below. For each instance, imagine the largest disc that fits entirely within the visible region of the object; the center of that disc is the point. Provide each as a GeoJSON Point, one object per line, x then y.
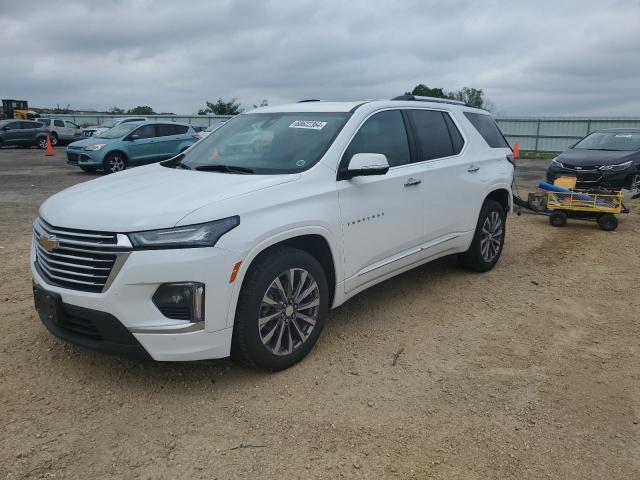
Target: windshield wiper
{"type": "Point", "coordinates": [223, 168]}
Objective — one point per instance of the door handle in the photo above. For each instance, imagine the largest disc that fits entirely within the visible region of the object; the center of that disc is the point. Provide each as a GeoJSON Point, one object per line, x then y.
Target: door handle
{"type": "Point", "coordinates": [412, 181]}
{"type": "Point", "coordinates": [473, 169]}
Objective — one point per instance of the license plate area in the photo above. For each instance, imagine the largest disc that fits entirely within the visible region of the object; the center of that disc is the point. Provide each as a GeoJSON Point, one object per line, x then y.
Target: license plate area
{"type": "Point", "coordinates": [48, 305]}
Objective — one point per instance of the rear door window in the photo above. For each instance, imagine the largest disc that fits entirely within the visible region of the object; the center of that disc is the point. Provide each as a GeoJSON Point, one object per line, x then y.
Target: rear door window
{"type": "Point", "coordinates": [29, 125]}
{"type": "Point", "coordinates": [432, 134]}
{"type": "Point", "coordinates": [383, 133]}
{"type": "Point", "coordinates": [145, 131]}
{"type": "Point", "coordinates": [486, 126]}
{"type": "Point", "coordinates": [58, 123]}
{"type": "Point", "coordinates": [165, 130]}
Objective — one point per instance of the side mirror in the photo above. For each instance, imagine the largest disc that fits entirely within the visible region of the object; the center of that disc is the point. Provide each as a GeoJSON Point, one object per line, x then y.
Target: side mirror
{"type": "Point", "coordinates": [365, 164]}
{"type": "Point", "coordinates": [134, 136]}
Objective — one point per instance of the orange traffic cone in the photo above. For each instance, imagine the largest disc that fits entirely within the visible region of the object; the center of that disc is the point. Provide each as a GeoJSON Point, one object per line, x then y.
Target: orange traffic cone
{"type": "Point", "coordinates": [516, 150]}
{"type": "Point", "coordinates": [49, 152]}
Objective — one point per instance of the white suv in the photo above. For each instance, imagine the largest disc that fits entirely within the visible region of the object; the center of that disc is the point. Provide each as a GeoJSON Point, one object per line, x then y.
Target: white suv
{"type": "Point", "coordinates": [242, 251]}
{"type": "Point", "coordinates": [61, 130]}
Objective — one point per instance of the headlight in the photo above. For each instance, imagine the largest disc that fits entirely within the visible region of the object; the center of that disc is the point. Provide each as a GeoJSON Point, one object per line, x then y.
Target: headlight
{"type": "Point", "coordinates": [556, 163]}
{"type": "Point", "coordinates": [190, 236]}
{"type": "Point", "coordinates": [616, 168]}
{"type": "Point", "coordinates": [98, 146]}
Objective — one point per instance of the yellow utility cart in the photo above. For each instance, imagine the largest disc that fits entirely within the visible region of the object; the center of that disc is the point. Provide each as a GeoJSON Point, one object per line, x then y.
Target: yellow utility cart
{"type": "Point", "coordinates": [583, 205]}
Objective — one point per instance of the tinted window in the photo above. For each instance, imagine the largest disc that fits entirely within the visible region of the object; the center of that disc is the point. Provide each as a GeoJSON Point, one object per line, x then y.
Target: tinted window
{"type": "Point", "coordinates": [13, 126]}
{"type": "Point", "coordinates": [488, 129]}
{"type": "Point", "coordinates": [44, 121]}
{"type": "Point", "coordinates": [30, 125]}
{"type": "Point", "coordinates": [383, 133]}
{"type": "Point", "coordinates": [165, 129]}
{"type": "Point", "coordinates": [58, 123]}
{"type": "Point", "coordinates": [432, 134]}
{"type": "Point", "coordinates": [456, 138]}
{"type": "Point", "coordinates": [146, 131]}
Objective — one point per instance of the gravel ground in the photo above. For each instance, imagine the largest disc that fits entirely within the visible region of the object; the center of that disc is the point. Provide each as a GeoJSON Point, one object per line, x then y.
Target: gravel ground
{"type": "Point", "coordinates": [530, 371]}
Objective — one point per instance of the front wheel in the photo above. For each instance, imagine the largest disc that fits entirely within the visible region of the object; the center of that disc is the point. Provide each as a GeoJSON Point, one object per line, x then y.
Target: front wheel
{"type": "Point", "coordinates": [281, 309]}
{"type": "Point", "coordinates": [488, 239]}
{"type": "Point", "coordinates": [41, 143]}
{"type": "Point", "coordinates": [608, 222]}
{"type": "Point", "coordinates": [114, 162]}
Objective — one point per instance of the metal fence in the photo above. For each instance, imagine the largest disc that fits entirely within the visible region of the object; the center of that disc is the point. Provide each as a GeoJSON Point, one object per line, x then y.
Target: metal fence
{"type": "Point", "coordinates": [84, 120]}
{"type": "Point", "coordinates": [543, 134]}
{"type": "Point", "coordinates": [555, 134]}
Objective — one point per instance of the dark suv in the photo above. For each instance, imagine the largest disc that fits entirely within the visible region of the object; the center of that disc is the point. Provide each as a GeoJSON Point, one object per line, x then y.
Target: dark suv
{"type": "Point", "coordinates": [607, 158]}
{"type": "Point", "coordinates": [23, 133]}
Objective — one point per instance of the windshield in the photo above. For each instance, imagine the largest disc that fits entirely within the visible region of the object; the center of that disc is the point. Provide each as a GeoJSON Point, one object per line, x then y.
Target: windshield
{"type": "Point", "coordinates": [267, 143]}
{"type": "Point", "coordinates": [617, 141]}
{"type": "Point", "coordinates": [119, 131]}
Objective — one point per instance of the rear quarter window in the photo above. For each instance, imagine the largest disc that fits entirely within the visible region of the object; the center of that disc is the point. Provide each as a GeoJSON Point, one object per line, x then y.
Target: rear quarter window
{"type": "Point", "coordinates": [486, 126]}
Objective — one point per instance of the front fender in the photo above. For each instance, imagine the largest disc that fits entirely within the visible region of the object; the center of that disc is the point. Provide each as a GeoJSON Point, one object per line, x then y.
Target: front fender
{"type": "Point", "coordinates": [273, 239]}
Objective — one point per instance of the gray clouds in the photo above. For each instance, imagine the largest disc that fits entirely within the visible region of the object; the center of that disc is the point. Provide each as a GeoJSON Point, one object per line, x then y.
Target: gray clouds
{"type": "Point", "coordinates": [531, 57]}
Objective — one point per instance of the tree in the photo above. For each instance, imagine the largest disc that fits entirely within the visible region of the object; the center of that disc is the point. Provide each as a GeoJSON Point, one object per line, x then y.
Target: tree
{"type": "Point", "coordinates": [423, 91]}
{"type": "Point", "coordinates": [232, 107]}
{"type": "Point", "coordinates": [141, 110]}
{"type": "Point", "coordinates": [474, 97]}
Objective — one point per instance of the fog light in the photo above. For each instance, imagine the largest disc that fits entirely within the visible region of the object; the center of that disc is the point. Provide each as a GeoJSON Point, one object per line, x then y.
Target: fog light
{"type": "Point", "coordinates": [181, 301]}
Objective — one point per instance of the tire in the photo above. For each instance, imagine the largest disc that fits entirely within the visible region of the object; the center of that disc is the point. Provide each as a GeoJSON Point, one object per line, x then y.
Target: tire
{"type": "Point", "coordinates": [114, 162]}
{"type": "Point", "coordinates": [634, 183]}
{"type": "Point", "coordinates": [608, 222]}
{"type": "Point", "coordinates": [558, 219]}
{"type": "Point", "coordinates": [488, 239]}
{"type": "Point", "coordinates": [268, 333]}
{"type": "Point", "coordinates": [54, 139]}
{"type": "Point", "coordinates": [41, 143]}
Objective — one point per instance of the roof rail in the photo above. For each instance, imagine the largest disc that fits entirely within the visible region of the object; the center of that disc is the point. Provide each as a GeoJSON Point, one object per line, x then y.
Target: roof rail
{"type": "Point", "coordinates": [309, 100]}
{"type": "Point", "coordinates": [417, 98]}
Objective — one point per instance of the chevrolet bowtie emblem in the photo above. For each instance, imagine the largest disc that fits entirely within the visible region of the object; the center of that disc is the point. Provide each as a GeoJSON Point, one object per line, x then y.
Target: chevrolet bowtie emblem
{"type": "Point", "coordinates": [48, 242]}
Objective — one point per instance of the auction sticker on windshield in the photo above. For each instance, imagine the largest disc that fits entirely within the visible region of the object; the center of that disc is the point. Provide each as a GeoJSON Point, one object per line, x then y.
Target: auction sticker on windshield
{"type": "Point", "coordinates": [309, 124]}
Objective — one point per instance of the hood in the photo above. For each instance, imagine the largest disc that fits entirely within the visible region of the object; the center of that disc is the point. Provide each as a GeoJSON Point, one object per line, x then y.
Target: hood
{"type": "Point", "coordinates": [588, 158]}
{"type": "Point", "coordinates": [146, 198]}
{"type": "Point", "coordinates": [85, 142]}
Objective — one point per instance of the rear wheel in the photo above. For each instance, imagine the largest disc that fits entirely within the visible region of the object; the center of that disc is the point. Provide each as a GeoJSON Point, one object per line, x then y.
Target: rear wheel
{"type": "Point", "coordinates": [608, 222]}
{"type": "Point", "coordinates": [54, 139]}
{"type": "Point", "coordinates": [488, 240]}
{"type": "Point", "coordinates": [558, 219]}
{"type": "Point", "coordinates": [114, 162]}
{"type": "Point", "coordinates": [281, 309]}
{"type": "Point", "coordinates": [634, 184]}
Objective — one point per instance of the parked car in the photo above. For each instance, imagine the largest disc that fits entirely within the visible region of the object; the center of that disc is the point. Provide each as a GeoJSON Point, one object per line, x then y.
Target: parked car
{"type": "Point", "coordinates": [61, 130]}
{"type": "Point", "coordinates": [212, 128]}
{"type": "Point", "coordinates": [131, 143]}
{"type": "Point", "coordinates": [224, 251]}
{"type": "Point", "coordinates": [23, 133]}
{"type": "Point", "coordinates": [607, 158]}
{"type": "Point", "coordinates": [112, 122]}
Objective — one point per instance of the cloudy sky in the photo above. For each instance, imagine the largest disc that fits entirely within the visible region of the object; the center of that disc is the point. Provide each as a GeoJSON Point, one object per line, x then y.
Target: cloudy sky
{"type": "Point", "coordinates": [559, 57]}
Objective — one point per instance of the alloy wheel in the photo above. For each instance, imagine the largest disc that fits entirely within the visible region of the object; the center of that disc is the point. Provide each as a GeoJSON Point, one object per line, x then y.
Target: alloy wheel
{"type": "Point", "coordinates": [289, 311]}
{"type": "Point", "coordinates": [116, 163]}
{"type": "Point", "coordinates": [635, 184]}
{"type": "Point", "coordinates": [491, 236]}
{"type": "Point", "coordinates": [42, 143]}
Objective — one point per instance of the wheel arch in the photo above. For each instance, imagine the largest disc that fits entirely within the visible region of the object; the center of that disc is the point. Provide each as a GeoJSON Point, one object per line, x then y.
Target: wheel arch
{"type": "Point", "coordinates": [116, 150]}
{"type": "Point", "coordinates": [315, 241]}
{"type": "Point", "coordinates": [501, 195]}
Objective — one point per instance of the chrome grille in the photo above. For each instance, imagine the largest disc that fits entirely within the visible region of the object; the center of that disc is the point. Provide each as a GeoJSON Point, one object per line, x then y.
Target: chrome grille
{"type": "Point", "coordinates": [78, 259]}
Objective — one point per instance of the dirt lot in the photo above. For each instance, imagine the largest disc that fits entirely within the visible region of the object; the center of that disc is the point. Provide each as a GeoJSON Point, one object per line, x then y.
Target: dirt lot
{"type": "Point", "coordinates": [531, 371]}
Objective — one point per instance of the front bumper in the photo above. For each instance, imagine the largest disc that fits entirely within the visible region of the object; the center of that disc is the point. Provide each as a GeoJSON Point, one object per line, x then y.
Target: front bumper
{"type": "Point", "coordinates": [128, 302]}
{"type": "Point", "coordinates": [84, 157]}
{"type": "Point", "coordinates": [591, 177]}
